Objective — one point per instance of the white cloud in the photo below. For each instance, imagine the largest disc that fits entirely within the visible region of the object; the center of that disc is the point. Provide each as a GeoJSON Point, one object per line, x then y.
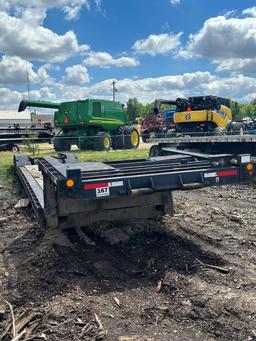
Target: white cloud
{"type": "Point", "coordinates": [237, 65]}
{"type": "Point", "coordinates": [72, 8]}
{"type": "Point", "coordinates": [222, 37]}
{"type": "Point", "coordinates": [76, 74]}
{"type": "Point", "coordinates": [250, 11]}
{"type": "Point", "coordinates": [98, 4]}
{"type": "Point", "coordinates": [33, 16]}
{"type": "Point", "coordinates": [43, 75]}
{"type": "Point", "coordinates": [45, 93]}
{"type": "Point", "coordinates": [175, 2]}
{"type": "Point", "coordinates": [105, 60]}
{"type": "Point", "coordinates": [9, 98]}
{"type": "Point", "coordinates": [19, 38]}
{"type": "Point", "coordinates": [223, 40]}
{"type": "Point", "coordinates": [158, 44]}
{"type": "Point", "coordinates": [146, 90]}
{"type": "Point", "coordinates": [237, 87]}
{"type": "Point", "coordinates": [13, 71]}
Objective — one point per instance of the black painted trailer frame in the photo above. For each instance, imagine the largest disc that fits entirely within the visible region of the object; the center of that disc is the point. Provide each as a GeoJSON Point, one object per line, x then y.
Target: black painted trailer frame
{"type": "Point", "coordinates": [78, 194]}
{"type": "Point", "coordinates": [233, 144]}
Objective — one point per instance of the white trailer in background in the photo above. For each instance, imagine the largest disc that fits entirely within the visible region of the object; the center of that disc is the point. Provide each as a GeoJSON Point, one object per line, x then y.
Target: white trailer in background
{"type": "Point", "coordinates": [11, 117]}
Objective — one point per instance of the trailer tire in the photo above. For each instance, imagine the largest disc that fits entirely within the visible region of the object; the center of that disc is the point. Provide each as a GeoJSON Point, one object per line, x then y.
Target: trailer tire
{"type": "Point", "coordinates": [60, 145]}
{"type": "Point", "coordinates": [131, 138]}
{"type": "Point", "coordinates": [15, 148]}
{"type": "Point", "coordinates": [155, 151]}
{"type": "Point", "coordinates": [145, 135]}
{"type": "Point", "coordinates": [102, 141]}
{"type": "Point", "coordinates": [220, 131]}
{"type": "Point", "coordinates": [234, 127]}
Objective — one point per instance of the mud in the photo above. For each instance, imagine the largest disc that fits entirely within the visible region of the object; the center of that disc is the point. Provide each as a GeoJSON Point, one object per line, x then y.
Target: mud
{"type": "Point", "coordinates": [146, 280]}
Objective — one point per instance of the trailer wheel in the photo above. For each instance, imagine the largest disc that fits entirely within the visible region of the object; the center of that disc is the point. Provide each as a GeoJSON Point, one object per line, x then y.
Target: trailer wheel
{"type": "Point", "coordinates": [234, 127]}
{"type": "Point", "coordinates": [131, 138]}
{"type": "Point", "coordinates": [15, 148]}
{"type": "Point", "coordinates": [60, 145]}
{"type": "Point", "coordinates": [102, 141]}
{"type": "Point", "coordinates": [155, 151]}
{"type": "Point", "coordinates": [145, 135]}
{"type": "Point", "coordinates": [220, 131]}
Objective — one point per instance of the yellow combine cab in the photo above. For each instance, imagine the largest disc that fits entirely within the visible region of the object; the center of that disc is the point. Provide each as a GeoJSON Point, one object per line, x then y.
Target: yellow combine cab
{"type": "Point", "coordinates": [203, 114]}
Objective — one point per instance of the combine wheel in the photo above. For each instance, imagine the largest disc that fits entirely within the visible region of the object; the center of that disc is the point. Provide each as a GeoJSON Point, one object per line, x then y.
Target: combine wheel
{"type": "Point", "coordinates": [83, 145]}
{"type": "Point", "coordinates": [131, 138]}
{"type": "Point", "coordinates": [61, 145]}
{"type": "Point", "coordinates": [118, 138]}
{"type": "Point", "coordinates": [102, 141]}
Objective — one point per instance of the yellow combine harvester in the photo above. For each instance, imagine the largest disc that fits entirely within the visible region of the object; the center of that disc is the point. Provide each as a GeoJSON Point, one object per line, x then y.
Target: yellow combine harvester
{"type": "Point", "coordinates": [202, 114]}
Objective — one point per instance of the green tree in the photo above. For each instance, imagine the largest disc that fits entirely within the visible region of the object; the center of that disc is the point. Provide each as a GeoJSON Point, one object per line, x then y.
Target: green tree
{"type": "Point", "coordinates": [134, 109]}
{"type": "Point", "coordinates": [247, 110]}
{"type": "Point", "coordinates": [235, 108]}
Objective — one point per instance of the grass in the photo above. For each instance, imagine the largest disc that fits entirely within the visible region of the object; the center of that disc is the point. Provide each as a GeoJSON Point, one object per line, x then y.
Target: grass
{"type": "Point", "coordinates": [6, 169]}
{"type": "Point", "coordinates": [6, 158]}
{"type": "Point", "coordinates": [113, 155]}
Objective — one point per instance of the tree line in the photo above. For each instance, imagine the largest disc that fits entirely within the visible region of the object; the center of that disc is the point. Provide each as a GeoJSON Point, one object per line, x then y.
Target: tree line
{"type": "Point", "coordinates": [136, 109]}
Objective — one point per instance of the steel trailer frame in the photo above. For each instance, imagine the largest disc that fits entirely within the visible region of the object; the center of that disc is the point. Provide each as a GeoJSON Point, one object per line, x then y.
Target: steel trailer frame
{"type": "Point", "coordinates": [80, 194]}
{"type": "Point", "coordinates": [233, 144]}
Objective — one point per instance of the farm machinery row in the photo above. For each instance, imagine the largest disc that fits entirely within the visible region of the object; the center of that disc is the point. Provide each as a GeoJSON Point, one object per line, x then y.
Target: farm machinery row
{"type": "Point", "coordinates": [195, 116]}
{"type": "Point", "coordinates": [96, 124]}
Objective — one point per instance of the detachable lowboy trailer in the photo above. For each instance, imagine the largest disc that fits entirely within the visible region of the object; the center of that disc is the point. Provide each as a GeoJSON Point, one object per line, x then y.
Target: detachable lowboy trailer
{"type": "Point", "coordinates": [66, 193]}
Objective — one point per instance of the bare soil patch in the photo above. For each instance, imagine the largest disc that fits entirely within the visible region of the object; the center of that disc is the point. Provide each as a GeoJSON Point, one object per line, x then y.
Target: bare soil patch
{"type": "Point", "coordinates": [187, 277]}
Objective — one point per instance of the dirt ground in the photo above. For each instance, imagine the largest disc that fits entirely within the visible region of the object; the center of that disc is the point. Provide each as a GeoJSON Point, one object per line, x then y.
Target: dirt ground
{"type": "Point", "coordinates": [187, 277]}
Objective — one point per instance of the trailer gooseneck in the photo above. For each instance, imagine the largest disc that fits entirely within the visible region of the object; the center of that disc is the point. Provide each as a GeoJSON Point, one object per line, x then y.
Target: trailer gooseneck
{"type": "Point", "coordinates": [66, 193]}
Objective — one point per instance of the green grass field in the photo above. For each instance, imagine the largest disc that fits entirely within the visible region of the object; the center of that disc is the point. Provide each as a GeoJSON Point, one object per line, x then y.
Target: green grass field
{"type": "Point", "coordinates": [6, 159]}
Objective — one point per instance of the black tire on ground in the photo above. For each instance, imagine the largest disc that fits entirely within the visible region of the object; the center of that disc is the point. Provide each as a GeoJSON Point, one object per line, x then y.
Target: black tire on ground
{"type": "Point", "coordinates": [102, 141]}
{"type": "Point", "coordinates": [234, 127]}
{"type": "Point", "coordinates": [155, 151]}
{"type": "Point", "coordinates": [118, 138]}
{"type": "Point", "coordinates": [131, 138]}
{"type": "Point", "coordinates": [220, 131]}
{"type": "Point", "coordinates": [83, 145]}
{"type": "Point", "coordinates": [15, 148]}
{"type": "Point", "coordinates": [61, 145]}
{"type": "Point", "coordinates": [145, 135]}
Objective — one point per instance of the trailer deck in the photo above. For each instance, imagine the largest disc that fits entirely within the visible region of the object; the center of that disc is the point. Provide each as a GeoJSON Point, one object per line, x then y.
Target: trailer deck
{"type": "Point", "coordinates": [67, 193]}
{"type": "Point", "coordinates": [209, 143]}
{"type": "Point", "coordinates": [11, 137]}
{"type": "Point", "coordinates": [206, 138]}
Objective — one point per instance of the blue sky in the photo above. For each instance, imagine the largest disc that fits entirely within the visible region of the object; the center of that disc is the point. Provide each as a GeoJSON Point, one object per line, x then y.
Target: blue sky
{"type": "Point", "coordinates": [153, 48]}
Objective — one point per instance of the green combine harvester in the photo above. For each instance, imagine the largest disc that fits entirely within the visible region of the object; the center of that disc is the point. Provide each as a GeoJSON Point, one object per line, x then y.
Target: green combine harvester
{"type": "Point", "coordinates": [91, 124]}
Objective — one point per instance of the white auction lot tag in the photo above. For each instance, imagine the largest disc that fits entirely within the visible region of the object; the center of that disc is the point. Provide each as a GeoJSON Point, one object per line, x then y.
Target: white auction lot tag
{"type": "Point", "coordinates": [102, 192]}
